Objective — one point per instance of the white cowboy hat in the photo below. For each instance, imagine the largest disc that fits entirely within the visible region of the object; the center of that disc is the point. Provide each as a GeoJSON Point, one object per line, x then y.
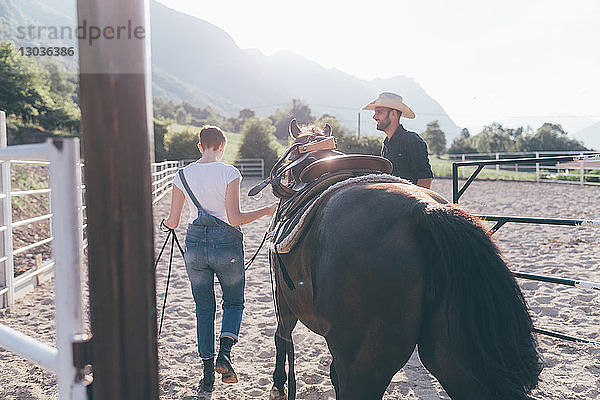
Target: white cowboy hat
{"type": "Point", "coordinates": [391, 100]}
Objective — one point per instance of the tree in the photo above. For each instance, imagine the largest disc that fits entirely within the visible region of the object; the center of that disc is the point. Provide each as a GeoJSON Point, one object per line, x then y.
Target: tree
{"type": "Point", "coordinates": [435, 138]}
{"type": "Point", "coordinates": [301, 111]}
{"type": "Point", "coordinates": [161, 128]}
{"type": "Point", "coordinates": [493, 138]}
{"type": "Point", "coordinates": [281, 118]}
{"type": "Point", "coordinates": [23, 89]}
{"type": "Point", "coordinates": [237, 123]}
{"type": "Point", "coordinates": [44, 94]}
{"type": "Point", "coordinates": [337, 128]}
{"type": "Point", "coordinates": [163, 108]}
{"type": "Point", "coordinates": [462, 145]}
{"type": "Point", "coordinates": [181, 116]}
{"type": "Point", "coordinates": [258, 141]}
{"type": "Point", "coordinates": [245, 114]}
{"type": "Point", "coordinates": [549, 137]}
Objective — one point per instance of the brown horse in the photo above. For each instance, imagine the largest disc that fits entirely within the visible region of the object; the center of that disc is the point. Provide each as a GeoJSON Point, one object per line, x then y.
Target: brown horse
{"type": "Point", "coordinates": [386, 266]}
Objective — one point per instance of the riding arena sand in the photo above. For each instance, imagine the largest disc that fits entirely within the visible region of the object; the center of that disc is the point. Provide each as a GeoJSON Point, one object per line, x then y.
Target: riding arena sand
{"type": "Point", "coordinates": [572, 370]}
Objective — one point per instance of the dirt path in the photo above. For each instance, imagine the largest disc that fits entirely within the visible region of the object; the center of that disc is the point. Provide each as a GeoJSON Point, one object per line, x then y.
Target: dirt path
{"type": "Point", "coordinates": [572, 371]}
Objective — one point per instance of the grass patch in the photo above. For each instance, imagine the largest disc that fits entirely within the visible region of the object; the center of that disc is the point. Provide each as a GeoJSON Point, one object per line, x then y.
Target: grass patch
{"type": "Point", "coordinates": [442, 168]}
{"type": "Point", "coordinates": [234, 141]}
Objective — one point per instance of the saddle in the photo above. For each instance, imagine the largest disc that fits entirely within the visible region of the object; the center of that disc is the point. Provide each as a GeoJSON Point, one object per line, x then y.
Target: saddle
{"type": "Point", "coordinates": [322, 173]}
{"type": "Point", "coordinates": [296, 212]}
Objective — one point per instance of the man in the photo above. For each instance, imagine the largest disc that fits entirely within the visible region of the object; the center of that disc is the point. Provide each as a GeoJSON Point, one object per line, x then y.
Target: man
{"type": "Point", "coordinates": [406, 150]}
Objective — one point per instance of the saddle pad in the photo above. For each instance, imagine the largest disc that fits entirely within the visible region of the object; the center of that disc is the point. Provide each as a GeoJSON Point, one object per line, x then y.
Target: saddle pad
{"type": "Point", "coordinates": [285, 233]}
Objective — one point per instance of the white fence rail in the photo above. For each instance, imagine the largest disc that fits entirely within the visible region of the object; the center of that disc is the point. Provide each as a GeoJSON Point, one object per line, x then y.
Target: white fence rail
{"type": "Point", "coordinates": [67, 245]}
{"type": "Point", "coordinates": [33, 257]}
{"type": "Point", "coordinates": [24, 263]}
{"type": "Point", "coordinates": [162, 177]}
{"type": "Point", "coordinates": [251, 167]}
{"type": "Point", "coordinates": [583, 172]}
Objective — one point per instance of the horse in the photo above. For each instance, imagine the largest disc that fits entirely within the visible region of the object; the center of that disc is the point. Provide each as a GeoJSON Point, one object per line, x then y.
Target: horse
{"type": "Point", "coordinates": [386, 266]}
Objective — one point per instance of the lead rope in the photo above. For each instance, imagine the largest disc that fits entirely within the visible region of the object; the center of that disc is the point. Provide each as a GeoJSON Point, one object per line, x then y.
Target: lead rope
{"type": "Point", "coordinates": [249, 262]}
{"type": "Point", "coordinates": [171, 234]}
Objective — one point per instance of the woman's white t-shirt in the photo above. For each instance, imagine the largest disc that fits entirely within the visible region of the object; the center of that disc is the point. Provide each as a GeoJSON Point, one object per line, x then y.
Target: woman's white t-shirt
{"type": "Point", "coordinates": [208, 182]}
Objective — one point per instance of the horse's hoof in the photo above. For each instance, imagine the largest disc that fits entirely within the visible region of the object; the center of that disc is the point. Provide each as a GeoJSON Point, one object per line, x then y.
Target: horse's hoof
{"type": "Point", "coordinates": [276, 394]}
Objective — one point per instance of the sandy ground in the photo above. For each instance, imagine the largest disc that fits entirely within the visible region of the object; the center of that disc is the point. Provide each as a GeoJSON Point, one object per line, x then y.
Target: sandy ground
{"type": "Point", "coordinates": [572, 369]}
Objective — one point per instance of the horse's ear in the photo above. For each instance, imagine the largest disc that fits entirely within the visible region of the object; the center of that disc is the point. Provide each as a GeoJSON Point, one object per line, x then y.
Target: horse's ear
{"type": "Point", "coordinates": [327, 130]}
{"type": "Point", "coordinates": [294, 128]}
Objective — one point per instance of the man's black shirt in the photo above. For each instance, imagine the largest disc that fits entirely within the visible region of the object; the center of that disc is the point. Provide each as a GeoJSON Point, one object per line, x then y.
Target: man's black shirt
{"type": "Point", "coordinates": [408, 153]}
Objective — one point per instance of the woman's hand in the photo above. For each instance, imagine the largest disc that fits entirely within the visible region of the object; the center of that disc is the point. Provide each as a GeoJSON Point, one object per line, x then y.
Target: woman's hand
{"type": "Point", "coordinates": [169, 224]}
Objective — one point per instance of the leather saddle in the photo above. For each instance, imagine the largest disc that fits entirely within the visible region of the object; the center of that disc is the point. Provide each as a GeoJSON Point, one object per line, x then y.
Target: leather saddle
{"type": "Point", "coordinates": [296, 212]}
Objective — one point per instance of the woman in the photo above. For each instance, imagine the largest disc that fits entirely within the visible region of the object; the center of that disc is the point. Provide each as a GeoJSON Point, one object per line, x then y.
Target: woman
{"type": "Point", "coordinates": [214, 247]}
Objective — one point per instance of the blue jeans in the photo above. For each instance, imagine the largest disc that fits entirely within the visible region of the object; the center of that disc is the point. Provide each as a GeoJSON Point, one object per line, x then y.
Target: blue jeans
{"type": "Point", "coordinates": [215, 249]}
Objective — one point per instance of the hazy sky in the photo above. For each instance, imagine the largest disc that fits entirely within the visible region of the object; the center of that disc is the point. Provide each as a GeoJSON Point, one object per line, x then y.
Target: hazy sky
{"type": "Point", "coordinates": [482, 61]}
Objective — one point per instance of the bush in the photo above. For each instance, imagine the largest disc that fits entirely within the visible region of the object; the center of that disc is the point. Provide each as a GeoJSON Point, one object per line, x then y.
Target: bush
{"type": "Point", "coordinates": [181, 145]}
{"type": "Point", "coordinates": [258, 141]}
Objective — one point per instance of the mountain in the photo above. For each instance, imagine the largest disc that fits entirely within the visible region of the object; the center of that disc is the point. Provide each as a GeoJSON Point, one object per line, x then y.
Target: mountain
{"type": "Point", "coordinates": [195, 61]}
{"type": "Point", "coordinates": [230, 78]}
{"type": "Point", "coordinates": [27, 22]}
{"type": "Point", "coordinates": [590, 136]}
{"type": "Point", "coordinates": [337, 93]}
{"type": "Point", "coordinates": [207, 59]}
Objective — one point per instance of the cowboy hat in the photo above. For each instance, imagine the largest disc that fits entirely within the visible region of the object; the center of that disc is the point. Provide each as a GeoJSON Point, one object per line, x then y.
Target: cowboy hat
{"type": "Point", "coordinates": [391, 100]}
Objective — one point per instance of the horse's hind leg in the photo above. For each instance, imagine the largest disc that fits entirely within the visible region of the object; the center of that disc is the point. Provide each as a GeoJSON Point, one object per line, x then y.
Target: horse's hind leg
{"type": "Point", "coordinates": [447, 359]}
{"type": "Point", "coordinates": [363, 366]}
{"type": "Point", "coordinates": [361, 380]}
{"type": "Point", "coordinates": [284, 347]}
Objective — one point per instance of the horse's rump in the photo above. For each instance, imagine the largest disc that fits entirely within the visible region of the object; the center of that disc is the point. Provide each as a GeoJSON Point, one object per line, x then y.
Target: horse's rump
{"type": "Point", "coordinates": [389, 254]}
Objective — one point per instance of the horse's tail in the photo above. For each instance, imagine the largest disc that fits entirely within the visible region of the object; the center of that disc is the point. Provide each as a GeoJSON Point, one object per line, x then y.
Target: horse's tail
{"type": "Point", "coordinates": [466, 269]}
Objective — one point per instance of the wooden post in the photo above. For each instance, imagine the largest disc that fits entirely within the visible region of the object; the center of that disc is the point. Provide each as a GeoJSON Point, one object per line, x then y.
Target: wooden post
{"type": "Point", "coordinates": [38, 265]}
{"type": "Point", "coordinates": [116, 119]}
